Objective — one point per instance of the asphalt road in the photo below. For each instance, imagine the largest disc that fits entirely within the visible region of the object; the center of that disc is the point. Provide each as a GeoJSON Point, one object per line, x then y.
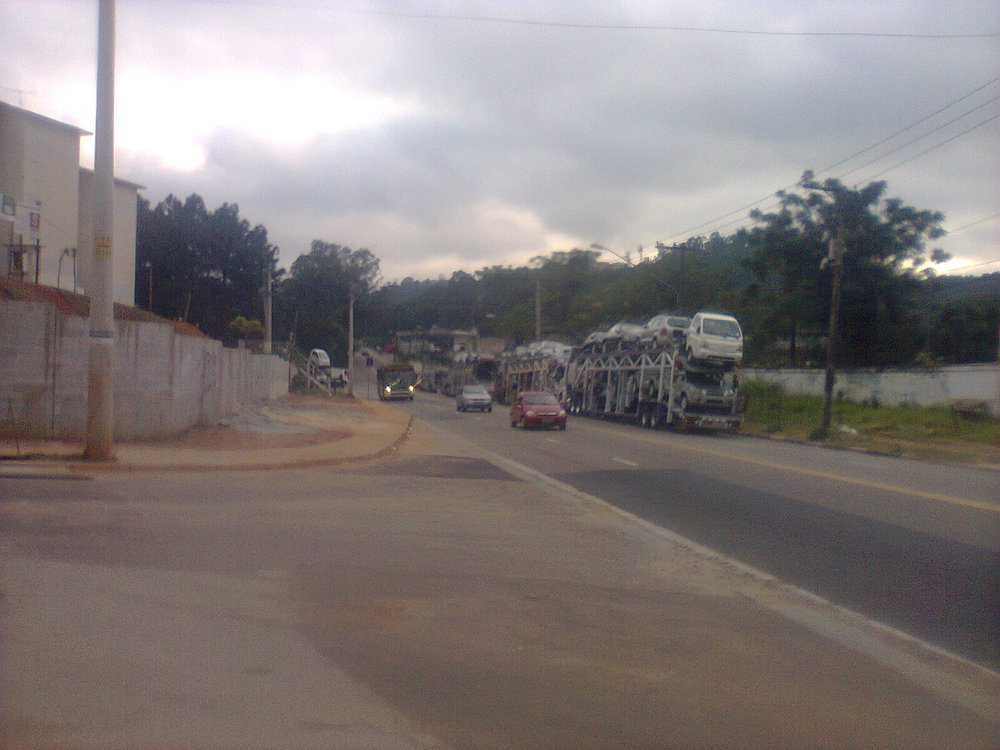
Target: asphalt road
{"type": "Point", "coordinates": [912, 544]}
{"type": "Point", "coordinates": [433, 599]}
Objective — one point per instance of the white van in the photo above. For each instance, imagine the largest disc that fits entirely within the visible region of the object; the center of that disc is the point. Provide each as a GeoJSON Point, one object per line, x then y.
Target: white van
{"type": "Point", "coordinates": [714, 337]}
{"type": "Point", "coordinates": [319, 358]}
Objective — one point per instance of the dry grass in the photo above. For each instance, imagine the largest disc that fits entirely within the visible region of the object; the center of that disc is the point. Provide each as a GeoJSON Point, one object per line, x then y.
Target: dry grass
{"type": "Point", "coordinates": [935, 433]}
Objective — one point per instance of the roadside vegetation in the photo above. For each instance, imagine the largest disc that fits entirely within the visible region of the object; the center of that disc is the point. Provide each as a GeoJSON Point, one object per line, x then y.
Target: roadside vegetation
{"type": "Point", "coordinates": [938, 433]}
{"type": "Point", "coordinates": [208, 268]}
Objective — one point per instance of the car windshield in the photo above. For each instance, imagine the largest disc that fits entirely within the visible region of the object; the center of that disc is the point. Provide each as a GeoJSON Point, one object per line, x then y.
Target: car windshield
{"type": "Point", "coordinates": [474, 391]}
{"type": "Point", "coordinates": [541, 398]}
{"type": "Point", "coordinates": [721, 327]}
{"type": "Point", "coordinates": [401, 377]}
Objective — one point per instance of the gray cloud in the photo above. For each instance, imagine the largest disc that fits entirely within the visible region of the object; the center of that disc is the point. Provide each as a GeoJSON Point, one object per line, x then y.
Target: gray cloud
{"type": "Point", "coordinates": [514, 140]}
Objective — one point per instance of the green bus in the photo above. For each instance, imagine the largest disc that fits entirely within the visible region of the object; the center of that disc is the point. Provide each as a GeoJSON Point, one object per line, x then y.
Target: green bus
{"type": "Point", "coordinates": [396, 381]}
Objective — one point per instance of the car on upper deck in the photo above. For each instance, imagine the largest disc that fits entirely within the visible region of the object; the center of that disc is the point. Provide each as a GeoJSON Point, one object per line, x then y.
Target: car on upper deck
{"type": "Point", "coordinates": [714, 337]}
{"type": "Point", "coordinates": [663, 329]}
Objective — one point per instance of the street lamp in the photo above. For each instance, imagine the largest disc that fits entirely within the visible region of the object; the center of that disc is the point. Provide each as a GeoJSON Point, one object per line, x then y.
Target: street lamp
{"type": "Point", "coordinates": [595, 246]}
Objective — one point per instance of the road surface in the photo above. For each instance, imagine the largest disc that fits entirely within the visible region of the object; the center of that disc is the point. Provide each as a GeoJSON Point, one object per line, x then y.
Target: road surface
{"type": "Point", "coordinates": [915, 545]}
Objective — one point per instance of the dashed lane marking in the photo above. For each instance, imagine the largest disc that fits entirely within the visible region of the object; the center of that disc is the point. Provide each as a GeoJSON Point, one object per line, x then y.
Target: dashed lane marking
{"type": "Point", "coordinates": [860, 481]}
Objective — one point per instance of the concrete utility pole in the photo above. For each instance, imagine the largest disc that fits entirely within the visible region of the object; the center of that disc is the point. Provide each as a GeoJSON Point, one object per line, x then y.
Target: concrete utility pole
{"type": "Point", "coordinates": [100, 380]}
{"type": "Point", "coordinates": [538, 308]}
{"type": "Point", "coordinates": [350, 340]}
{"type": "Point", "coordinates": [836, 261]}
{"type": "Point", "coordinates": [267, 309]}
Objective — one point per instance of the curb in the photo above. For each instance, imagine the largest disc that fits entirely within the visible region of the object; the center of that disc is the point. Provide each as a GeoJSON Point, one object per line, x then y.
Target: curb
{"type": "Point", "coordinates": [37, 466]}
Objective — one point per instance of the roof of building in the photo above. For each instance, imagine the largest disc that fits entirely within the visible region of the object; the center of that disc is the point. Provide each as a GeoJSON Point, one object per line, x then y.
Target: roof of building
{"type": "Point", "coordinates": [34, 115]}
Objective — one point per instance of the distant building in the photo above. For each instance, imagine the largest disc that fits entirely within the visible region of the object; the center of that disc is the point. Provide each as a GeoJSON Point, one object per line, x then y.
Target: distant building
{"type": "Point", "coordinates": [46, 223]}
{"type": "Point", "coordinates": [438, 340]}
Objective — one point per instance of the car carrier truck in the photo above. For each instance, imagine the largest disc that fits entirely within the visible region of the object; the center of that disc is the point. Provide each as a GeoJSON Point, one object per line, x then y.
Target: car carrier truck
{"type": "Point", "coordinates": [532, 369]}
{"type": "Point", "coordinates": [655, 388]}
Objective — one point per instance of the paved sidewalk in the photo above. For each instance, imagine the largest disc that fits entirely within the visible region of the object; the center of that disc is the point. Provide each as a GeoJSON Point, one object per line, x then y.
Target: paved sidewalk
{"type": "Point", "coordinates": [182, 678]}
{"type": "Point", "coordinates": [290, 432]}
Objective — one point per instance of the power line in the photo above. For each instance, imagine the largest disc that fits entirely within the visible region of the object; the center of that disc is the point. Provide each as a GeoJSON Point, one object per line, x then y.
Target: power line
{"type": "Point", "coordinates": [942, 126]}
{"type": "Point", "coordinates": [912, 125]}
{"type": "Point", "coordinates": [972, 224]}
{"type": "Point", "coordinates": [667, 27]}
{"type": "Point", "coordinates": [324, 5]}
{"type": "Point", "coordinates": [938, 111]}
{"type": "Point", "coordinates": [932, 148]}
{"type": "Point", "coordinates": [974, 265]}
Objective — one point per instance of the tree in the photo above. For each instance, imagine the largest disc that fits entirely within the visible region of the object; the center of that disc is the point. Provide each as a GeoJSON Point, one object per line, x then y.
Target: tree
{"type": "Point", "coordinates": [315, 296]}
{"type": "Point", "coordinates": [247, 329]}
{"type": "Point", "coordinates": [884, 248]}
{"type": "Point", "coordinates": [206, 268]}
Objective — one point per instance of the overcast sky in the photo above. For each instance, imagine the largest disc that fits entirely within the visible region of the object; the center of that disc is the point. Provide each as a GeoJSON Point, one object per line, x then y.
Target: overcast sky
{"type": "Point", "coordinates": [459, 135]}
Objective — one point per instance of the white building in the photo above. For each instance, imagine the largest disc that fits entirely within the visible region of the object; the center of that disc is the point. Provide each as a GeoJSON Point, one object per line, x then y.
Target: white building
{"type": "Point", "coordinates": [46, 224]}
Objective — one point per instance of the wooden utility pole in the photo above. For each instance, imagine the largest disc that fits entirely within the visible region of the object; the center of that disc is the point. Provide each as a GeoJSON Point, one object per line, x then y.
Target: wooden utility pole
{"type": "Point", "coordinates": [100, 380]}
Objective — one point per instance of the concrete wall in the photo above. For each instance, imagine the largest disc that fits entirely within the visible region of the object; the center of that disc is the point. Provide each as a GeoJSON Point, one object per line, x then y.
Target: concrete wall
{"type": "Point", "coordinates": [165, 382]}
{"type": "Point", "coordinates": [935, 387]}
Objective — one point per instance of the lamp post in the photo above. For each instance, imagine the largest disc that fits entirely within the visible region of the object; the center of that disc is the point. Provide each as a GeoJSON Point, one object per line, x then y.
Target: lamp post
{"type": "Point", "coordinates": [595, 246]}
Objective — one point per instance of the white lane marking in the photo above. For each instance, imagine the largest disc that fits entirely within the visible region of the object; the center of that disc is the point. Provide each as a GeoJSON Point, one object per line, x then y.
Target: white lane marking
{"type": "Point", "coordinates": [934, 668]}
{"type": "Point", "coordinates": [930, 666]}
{"type": "Point", "coordinates": [625, 461]}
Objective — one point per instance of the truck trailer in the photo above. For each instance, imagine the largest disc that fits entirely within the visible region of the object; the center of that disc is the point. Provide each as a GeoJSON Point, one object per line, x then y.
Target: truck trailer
{"type": "Point", "coordinates": [655, 388]}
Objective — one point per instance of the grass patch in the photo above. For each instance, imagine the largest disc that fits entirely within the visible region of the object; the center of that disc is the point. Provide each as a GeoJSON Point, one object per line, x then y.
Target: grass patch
{"type": "Point", "coordinates": [917, 431]}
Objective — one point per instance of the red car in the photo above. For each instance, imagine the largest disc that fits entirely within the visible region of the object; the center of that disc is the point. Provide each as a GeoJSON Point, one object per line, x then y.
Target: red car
{"type": "Point", "coordinates": [537, 409]}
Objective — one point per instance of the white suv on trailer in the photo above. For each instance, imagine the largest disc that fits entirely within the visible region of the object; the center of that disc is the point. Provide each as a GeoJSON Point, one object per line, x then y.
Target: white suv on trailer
{"type": "Point", "coordinates": [714, 337]}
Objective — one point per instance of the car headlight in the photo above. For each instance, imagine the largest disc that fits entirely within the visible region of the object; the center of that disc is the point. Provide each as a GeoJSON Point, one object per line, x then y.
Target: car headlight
{"type": "Point", "coordinates": [411, 389]}
{"type": "Point", "coordinates": [529, 413]}
{"type": "Point", "coordinates": [388, 389]}
{"type": "Point", "coordinates": [562, 413]}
